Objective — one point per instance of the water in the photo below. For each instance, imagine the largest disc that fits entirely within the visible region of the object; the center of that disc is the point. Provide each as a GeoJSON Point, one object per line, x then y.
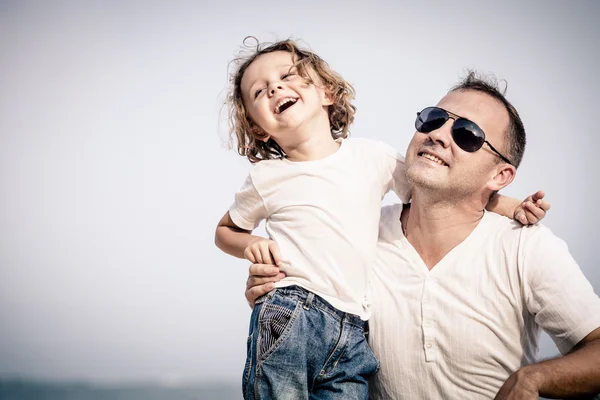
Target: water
{"type": "Point", "coordinates": [26, 390]}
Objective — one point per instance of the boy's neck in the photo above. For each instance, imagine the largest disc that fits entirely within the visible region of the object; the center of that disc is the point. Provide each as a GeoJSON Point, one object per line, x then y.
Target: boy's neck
{"type": "Point", "coordinates": [317, 142]}
{"type": "Point", "coordinates": [315, 148]}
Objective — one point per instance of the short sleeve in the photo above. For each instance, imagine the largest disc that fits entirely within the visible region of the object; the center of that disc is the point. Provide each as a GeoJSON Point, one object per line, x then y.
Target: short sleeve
{"type": "Point", "coordinates": [248, 209]}
{"type": "Point", "coordinates": [556, 292]}
{"type": "Point", "coordinates": [395, 170]}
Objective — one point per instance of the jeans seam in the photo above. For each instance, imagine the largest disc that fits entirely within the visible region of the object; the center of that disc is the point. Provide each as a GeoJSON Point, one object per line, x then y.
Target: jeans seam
{"type": "Point", "coordinates": [248, 367]}
{"type": "Point", "coordinates": [340, 344]}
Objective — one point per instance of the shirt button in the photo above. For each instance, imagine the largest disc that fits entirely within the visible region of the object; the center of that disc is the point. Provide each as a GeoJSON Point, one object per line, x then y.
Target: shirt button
{"type": "Point", "coordinates": [425, 300]}
{"type": "Point", "coordinates": [428, 345]}
{"type": "Point", "coordinates": [427, 323]}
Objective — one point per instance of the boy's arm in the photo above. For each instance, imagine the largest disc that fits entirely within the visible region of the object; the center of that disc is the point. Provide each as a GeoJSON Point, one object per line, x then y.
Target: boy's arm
{"type": "Point", "coordinates": [240, 243]}
{"type": "Point", "coordinates": [529, 211]}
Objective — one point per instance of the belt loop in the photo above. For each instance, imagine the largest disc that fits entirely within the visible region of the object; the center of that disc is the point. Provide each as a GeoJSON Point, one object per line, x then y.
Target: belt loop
{"type": "Point", "coordinates": [309, 300]}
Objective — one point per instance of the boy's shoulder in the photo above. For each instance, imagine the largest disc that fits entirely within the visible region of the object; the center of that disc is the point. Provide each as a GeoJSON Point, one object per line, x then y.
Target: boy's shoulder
{"type": "Point", "coordinates": [370, 146]}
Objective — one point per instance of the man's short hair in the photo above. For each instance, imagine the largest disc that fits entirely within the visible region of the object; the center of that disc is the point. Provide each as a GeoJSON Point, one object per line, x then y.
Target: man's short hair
{"type": "Point", "coordinates": [515, 134]}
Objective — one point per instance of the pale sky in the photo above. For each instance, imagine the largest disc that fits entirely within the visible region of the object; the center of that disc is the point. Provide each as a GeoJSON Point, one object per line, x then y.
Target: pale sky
{"type": "Point", "coordinates": [113, 174]}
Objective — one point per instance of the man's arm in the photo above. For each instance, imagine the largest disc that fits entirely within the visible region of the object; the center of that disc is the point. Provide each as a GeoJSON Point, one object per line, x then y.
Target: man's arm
{"type": "Point", "coordinates": [576, 374]}
{"type": "Point", "coordinates": [564, 304]}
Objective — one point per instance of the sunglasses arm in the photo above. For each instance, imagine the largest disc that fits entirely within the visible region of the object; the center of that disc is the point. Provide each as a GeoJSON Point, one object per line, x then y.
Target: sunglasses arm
{"type": "Point", "coordinates": [506, 160]}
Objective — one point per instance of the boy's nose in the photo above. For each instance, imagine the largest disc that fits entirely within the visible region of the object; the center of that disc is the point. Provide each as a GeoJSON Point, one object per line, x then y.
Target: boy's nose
{"type": "Point", "coordinates": [274, 88]}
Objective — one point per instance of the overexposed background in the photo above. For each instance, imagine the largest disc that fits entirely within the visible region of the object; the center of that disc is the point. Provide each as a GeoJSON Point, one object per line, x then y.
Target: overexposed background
{"type": "Point", "coordinates": [113, 174]}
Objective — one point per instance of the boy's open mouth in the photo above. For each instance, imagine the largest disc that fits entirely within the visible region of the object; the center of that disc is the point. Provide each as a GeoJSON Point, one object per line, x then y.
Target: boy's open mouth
{"type": "Point", "coordinates": [284, 104]}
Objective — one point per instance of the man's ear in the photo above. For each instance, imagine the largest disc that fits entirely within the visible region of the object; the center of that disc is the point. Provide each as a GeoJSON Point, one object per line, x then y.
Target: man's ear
{"type": "Point", "coordinates": [502, 176]}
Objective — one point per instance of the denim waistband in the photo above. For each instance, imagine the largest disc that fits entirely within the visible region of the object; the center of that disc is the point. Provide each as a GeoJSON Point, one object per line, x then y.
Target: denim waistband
{"type": "Point", "coordinates": [312, 300]}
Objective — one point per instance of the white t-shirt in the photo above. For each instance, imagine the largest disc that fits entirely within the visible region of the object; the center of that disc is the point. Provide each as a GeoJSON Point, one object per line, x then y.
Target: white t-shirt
{"type": "Point", "coordinates": [459, 330]}
{"type": "Point", "coordinates": [324, 216]}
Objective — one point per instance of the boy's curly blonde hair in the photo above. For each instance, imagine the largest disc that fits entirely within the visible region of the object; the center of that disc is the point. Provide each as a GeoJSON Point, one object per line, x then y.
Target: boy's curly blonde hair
{"type": "Point", "coordinates": [250, 137]}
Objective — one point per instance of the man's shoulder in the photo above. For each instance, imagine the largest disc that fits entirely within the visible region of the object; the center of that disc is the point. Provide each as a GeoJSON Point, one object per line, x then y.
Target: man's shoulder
{"type": "Point", "coordinates": [509, 229]}
{"type": "Point", "coordinates": [533, 241]}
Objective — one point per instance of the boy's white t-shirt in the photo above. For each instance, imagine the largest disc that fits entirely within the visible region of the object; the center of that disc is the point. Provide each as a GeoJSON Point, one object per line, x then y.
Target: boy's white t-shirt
{"type": "Point", "coordinates": [324, 216]}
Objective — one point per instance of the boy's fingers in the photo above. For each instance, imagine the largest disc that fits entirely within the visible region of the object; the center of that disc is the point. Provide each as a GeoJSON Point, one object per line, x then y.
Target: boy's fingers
{"type": "Point", "coordinates": [257, 256]}
{"type": "Point", "coordinates": [520, 216]}
{"type": "Point", "coordinates": [274, 250]}
{"type": "Point", "coordinates": [538, 195]}
{"type": "Point", "coordinates": [538, 212]}
{"type": "Point", "coordinates": [248, 255]}
{"type": "Point", "coordinates": [265, 254]}
{"type": "Point", "coordinates": [543, 204]}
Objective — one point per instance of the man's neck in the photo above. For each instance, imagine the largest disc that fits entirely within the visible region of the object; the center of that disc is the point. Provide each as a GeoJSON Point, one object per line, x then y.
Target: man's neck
{"type": "Point", "coordinates": [435, 228]}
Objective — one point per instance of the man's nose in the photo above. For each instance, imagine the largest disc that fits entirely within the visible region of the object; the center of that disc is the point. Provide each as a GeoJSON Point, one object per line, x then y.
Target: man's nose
{"type": "Point", "coordinates": [443, 134]}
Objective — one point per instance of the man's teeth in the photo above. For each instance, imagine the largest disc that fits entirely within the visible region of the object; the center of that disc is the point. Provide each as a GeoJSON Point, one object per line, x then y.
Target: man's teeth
{"type": "Point", "coordinates": [433, 158]}
{"type": "Point", "coordinates": [282, 102]}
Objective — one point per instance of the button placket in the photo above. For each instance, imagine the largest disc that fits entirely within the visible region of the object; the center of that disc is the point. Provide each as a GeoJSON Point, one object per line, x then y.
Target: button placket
{"type": "Point", "coordinates": [427, 323]}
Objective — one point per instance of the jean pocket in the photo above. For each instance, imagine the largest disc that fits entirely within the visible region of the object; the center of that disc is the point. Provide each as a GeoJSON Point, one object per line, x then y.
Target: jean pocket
{"type": "Point", "coordinates": [247, 367]}
{"type": "Point", "coordinates": [274, 323]}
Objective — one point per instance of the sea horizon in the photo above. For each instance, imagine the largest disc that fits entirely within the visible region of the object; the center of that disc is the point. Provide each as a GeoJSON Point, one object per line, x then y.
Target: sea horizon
{"type": "Point", "coordinates": [39, 389]}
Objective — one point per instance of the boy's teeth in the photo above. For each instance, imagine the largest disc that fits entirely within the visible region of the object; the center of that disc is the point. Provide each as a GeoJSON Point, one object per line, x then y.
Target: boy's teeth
{"type": "Point", "coordinates": [282, 102]}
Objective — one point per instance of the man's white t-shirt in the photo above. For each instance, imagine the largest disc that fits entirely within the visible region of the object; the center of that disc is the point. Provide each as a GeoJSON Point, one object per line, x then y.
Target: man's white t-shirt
{"type": "Point", "coordinates": [324, 216]}
{"type": "Point", "coordinates": [459, 330]}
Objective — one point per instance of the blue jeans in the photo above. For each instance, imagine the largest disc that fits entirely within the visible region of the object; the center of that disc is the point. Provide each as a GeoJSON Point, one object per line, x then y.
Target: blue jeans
{"type": "Point", "coordinates": [301, 347]}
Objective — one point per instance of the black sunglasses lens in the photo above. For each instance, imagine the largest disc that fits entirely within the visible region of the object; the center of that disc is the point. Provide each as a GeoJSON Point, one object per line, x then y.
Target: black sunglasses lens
{"type": "Point", "coordinates": [430, 119]}
{"type": "Point", "coordinates": [467, 135]}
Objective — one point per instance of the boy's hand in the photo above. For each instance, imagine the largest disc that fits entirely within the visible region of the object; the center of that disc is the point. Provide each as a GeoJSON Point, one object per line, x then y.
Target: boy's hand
{"type": "Point", "coordinates": [532, 209]}
{"type": "Point", "coordinates": [261, 281]}
{"type": "Point", "coordinates": [263, 251]}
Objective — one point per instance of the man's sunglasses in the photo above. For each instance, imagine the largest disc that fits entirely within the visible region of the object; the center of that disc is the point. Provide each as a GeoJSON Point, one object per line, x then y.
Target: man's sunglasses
{"type": "Point", "coordinates": [466, 134]}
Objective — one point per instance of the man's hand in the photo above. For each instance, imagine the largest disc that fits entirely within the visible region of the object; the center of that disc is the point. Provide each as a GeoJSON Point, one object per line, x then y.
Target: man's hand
{"type": "Point", "coordinates": [521, 385]}
{"type": "Point", "coordinates": [532, 209]}
{"type": "Point", "coordinates": [261, 281]}
{"type": "Point", "coordinates": [263, 251]}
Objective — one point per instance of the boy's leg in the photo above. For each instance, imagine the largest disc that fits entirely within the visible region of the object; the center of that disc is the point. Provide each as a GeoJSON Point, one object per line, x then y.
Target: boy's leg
{"type": "Point", "coordinates": [278, 366]}
{"type": "Point", "coordinates": [294, 338]}
{"type": "Point", "coordinates": [349, 367]}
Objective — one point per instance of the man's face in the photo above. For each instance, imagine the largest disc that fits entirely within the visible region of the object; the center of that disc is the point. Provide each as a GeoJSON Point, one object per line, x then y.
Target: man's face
{"type": "Point", "coordinates": [435, 162]}
{"type": "Point", "coordinates": [279, 100]}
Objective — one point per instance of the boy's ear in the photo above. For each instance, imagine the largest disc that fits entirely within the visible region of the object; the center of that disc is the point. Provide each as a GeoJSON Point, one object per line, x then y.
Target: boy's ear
{"type": "Point", "coordinates": [259, 134]}
{"type": "Point", "coordinates": [504, 174]}
{"type": "Point", "coordinates": [327, 98]}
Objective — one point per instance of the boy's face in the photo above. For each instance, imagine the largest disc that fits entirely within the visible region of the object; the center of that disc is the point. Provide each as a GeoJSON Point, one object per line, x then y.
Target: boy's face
{"type": "Point", "coordinates": [279, 100]}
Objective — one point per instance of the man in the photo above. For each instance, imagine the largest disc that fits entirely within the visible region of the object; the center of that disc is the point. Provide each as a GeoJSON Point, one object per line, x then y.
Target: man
{"type": "Point", "coordinates": [460, 295]}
